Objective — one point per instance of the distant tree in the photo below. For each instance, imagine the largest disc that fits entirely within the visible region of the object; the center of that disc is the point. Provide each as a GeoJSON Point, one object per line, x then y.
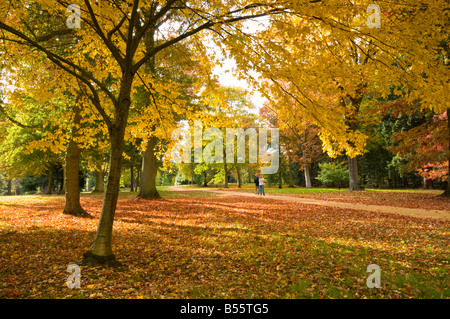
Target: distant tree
{"type": "Point", "coordinates": [333, 174]}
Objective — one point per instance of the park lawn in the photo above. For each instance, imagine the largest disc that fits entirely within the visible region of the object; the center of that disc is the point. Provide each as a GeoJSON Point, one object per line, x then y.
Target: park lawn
{"type": "Point", "coordinates": [165, 192]}
{"type": "Point", "coordinates": [221, 247]}
{"type": "Point", "coordinates": [424, 199]}
{"type": "Point", "coordinates": [410, 198]}
{"type": "Point", "coordinates": [272, 189]}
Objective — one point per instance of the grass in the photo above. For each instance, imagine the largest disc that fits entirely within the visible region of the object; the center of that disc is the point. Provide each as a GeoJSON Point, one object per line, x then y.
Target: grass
{"type": "Point", "coordinates": [416, 198]}
{"type": "Point", "coordinates": [302, 190]}
{"type": "Point", "coordinates": [272, 189]}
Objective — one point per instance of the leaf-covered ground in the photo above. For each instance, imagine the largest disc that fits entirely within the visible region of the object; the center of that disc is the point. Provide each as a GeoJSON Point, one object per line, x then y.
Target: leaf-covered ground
{"type": "Point", "coordinates": [424, 199]}
{"type": "Point", "coordinates": [221, 247]}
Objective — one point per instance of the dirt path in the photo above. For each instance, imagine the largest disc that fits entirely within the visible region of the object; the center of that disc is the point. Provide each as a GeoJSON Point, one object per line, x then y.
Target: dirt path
{"type": "Point", "coordinates": [414, 212]}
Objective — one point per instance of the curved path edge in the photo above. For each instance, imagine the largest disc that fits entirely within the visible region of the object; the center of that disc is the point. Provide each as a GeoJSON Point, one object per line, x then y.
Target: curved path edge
{"type": "Point", "coordinates": [414, 212]}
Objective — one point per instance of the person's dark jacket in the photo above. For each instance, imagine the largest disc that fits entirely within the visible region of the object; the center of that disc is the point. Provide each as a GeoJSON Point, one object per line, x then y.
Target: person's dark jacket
{"type": "Point", "coordinates": [256, 181]}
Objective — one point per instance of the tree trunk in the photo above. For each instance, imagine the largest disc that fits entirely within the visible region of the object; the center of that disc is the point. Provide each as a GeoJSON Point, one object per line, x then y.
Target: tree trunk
{"type": "Point", "coordinates": [149, 169]}
{"type": "Point", "coordinates": [101, 250]}
{"type": "Point", "coordinates": [250, 175]}
{"type": "Point", "coordinates": [427, 183]}
{"type": "Point", "coordinates": [205, 181]}
{"type": "Point", "coordinates": [9, 186]}
{"type": "Point", "coordinates": [99, 181]}
{"type": "Point", "coordinates": [353, 174]}
{"type": "Point", "coordinates": [72, 182]}
{"type": "Point", "coordinates": [225, 167]}
{"type": "Point", "coordinates": [71, 171]}
{"type": "Point", "coordinates": [307, 176]}
{"type": "Point", "coordinates": [50, 180]}
{"type": "Point", "coordinates": [192, 174]}
{"type": "Point", "coordinates": [447, 191]}
{"type": "Point", "coordinates": [147, 187]}
{"type": "Point", "coordinates": [138, 179]}
{"type": "Point", "coordinates": [131, 178]}
{"type": "Point", "coordinates": [291, 175]}
{"type": "Point", "coordinates": [280, 179]}
{"type": "Point", "coordinates": [238, 171]}
{"type": "Point", "coordinates": [62, 191]}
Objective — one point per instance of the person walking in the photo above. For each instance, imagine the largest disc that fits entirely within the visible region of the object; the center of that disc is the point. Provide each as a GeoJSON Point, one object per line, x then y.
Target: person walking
{"type": "Point", "coordinates": [261, 186]}
{"type": "Point", "coordinates": [256, 181]}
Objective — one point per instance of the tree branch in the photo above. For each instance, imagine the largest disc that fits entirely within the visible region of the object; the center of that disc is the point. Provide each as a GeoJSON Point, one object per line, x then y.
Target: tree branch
{"type": "Point", "coordinates": [116, 28]}
{"type": "Point", "coordinates": [152, 20]}
{"type": "Point", "coordinates": [132, 44]}
{"type": "Point", "coordinates": [12, 120]}
{"type": "Point", "coordinates": [112, 48]}
{"type": "Point", "coordinates": [84, 75]}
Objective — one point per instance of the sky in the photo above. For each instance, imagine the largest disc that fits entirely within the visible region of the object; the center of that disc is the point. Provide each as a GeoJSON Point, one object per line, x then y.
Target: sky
{"type": "Point", "coordinates": [228, 79]}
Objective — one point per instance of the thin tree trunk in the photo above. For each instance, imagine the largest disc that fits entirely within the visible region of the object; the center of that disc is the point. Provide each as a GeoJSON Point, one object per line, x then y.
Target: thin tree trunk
{"type": "Point", "coordinates": [238, 171]}
{"type": "Point", "coordinates": [50, 180]}
{"type": "Point", "coordinates": [9, 186]}
{"type": "Point", "coordinates": [149, 169]}
{"type": "Point", "coordinates": [138, 179]}
{"type": "Point", "coordinates": [353, 174]}
{"type": "Point", "coordinates": [225, 167]}
{"type": "Point", "coordinates": [306, 165]}
{"type": "Point", "coordinates": [63, 187]}
{"type": "Point", "coordinates": [447, 191]}
{"type": "Point", "coordinates": [280, 174]}
{"type": "Point", "coordinates": [427, 183]}
{"type": "Point", "coordinates": [131, 178]}
{"type": "Point", "coordinates": [205, 180]}
{"type": "Point", "coordinates": [99, 181]}
{"type": "Point", "coordinates": [280, 178]}
{"type": "Point", "coordinates": [307, 176]}
{"type": "Point", "coordinates": [291, 175]}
